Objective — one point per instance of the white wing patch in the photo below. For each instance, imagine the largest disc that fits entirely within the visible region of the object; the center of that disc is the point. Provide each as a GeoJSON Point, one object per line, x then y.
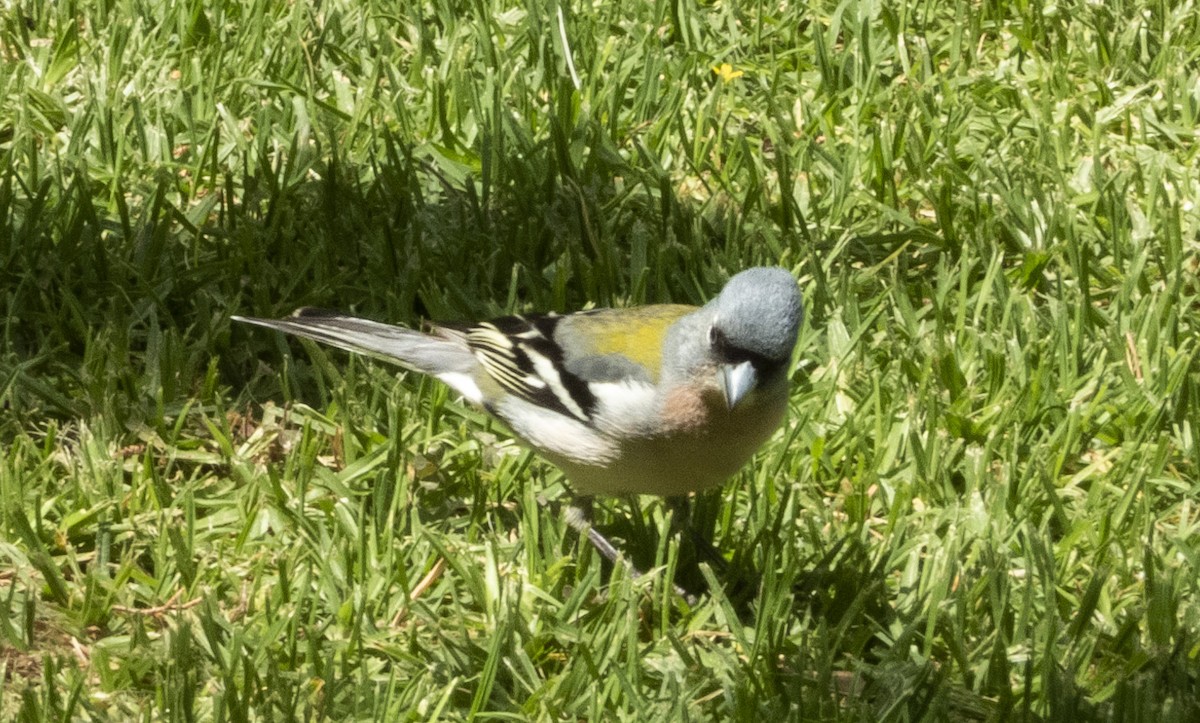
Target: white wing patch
{"type": "Point", "coordinates": [498, 355]}
{"type": "Point", "coordinates": [548, 371]}
{"type": "Point", "coordinates": [626, 408]}
{"type": "Point", "coordinates": [464, 384]}
{"type": "Point", "coordinates": [522, 356]}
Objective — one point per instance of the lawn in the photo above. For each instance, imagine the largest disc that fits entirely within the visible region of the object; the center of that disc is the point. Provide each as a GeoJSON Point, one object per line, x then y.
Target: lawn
{"type": "Point", "coordinates": [984, 503]}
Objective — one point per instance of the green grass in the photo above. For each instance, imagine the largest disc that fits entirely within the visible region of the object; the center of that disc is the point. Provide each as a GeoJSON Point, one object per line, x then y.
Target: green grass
{"type": "Point", "coordinates": [983, 504]}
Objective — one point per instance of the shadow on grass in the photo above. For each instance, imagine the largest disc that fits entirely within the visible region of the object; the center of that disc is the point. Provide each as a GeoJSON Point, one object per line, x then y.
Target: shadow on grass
{"type": "Point", "coordinates": [118, 303]}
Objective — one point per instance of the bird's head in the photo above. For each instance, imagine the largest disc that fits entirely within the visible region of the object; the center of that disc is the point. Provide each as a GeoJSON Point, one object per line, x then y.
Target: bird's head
{"type": "Point", "coordinates": [752, 330]}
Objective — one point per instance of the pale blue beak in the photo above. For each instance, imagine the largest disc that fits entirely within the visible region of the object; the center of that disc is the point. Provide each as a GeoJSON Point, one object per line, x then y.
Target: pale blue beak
{"type": "Point", "coordinates": [736, 381]}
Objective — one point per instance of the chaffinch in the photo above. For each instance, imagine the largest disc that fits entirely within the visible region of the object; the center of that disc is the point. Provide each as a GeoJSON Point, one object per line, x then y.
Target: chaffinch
{"type": "Point", "coordinates": [664, 399]}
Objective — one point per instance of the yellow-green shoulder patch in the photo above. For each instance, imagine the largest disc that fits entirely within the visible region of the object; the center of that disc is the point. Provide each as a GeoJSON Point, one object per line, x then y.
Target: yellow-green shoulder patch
{"type": "Point", "coordinates": [635, 334]}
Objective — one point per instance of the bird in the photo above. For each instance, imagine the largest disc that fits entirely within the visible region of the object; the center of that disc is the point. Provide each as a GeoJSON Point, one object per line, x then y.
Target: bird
{"type": "Point", "coordinates": [662, 399]}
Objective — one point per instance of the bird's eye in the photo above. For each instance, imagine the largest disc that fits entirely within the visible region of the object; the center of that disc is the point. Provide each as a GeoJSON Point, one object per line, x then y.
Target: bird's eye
{"type": "Point", "coordinates": [716, 339]}
{"type": "Point", "coordinates": [726, 351]}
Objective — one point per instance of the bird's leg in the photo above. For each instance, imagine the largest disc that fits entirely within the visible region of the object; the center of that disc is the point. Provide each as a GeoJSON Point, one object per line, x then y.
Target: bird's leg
{"type": "Point", "coordinates": [579, 517]}
{"type": "Point", "coordinates": [739, 581]}
{"type": "Point", "coordinates": [681, 521]}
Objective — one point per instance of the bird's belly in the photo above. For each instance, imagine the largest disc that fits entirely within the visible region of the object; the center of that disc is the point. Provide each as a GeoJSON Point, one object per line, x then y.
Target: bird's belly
{"type": "Point", "coordinates": [676, 464]}
{"type": "Point", "coordinates": [703, 452]}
